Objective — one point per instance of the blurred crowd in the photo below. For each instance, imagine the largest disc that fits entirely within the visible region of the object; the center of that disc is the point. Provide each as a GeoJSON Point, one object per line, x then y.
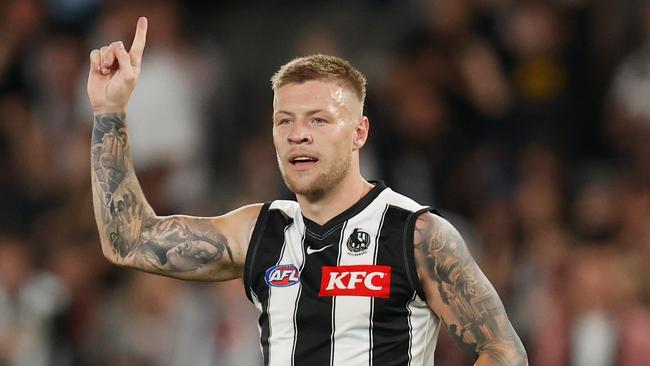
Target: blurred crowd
{"type": "Point", "coordinates": [525, 122]}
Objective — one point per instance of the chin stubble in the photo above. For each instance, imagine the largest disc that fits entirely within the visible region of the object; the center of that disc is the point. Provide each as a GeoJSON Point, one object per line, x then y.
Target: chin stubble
{"type": "Point", "coordinates": [323, 183]}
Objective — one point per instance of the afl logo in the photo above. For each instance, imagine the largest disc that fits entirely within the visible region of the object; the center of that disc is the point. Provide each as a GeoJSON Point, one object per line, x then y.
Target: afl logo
{"type": "Point", "coordinates": [358, 242]}
{"type": "Point", "coordinates": [282, 276]}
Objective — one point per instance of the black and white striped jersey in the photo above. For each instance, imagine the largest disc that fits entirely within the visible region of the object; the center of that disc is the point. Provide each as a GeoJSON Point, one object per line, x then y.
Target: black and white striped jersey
{"type": "Point", "coordinates": [342, 294]}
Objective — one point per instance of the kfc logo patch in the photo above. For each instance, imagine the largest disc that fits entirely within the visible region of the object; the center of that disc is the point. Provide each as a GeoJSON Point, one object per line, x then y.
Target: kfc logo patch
{"type": "Point", "coordinates": [357, 280]}
{"type": "Point", "coordinates": [282, 276]}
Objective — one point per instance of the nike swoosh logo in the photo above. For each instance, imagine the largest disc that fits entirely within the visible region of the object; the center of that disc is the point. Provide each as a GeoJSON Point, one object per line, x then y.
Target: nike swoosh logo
{"type": "Point", "coordinates": [312, 251]}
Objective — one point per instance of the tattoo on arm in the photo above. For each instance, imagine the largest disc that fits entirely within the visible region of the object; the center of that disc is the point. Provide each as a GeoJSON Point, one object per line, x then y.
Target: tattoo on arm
{"type": "Point", "coordinates": [171, 244]}
{"type": "Point", "coordinates": [468, 304]}
{"type": "Point", "coordinates": [115, 191]}
{"type": "Point", "coordinates": [127, 222]}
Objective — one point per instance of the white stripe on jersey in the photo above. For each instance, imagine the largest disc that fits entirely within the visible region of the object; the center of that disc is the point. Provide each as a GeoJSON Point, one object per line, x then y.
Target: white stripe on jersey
{"type": "Point", "coordinates": [423, 344]}
{"type": "Point", "coordinates": [334, 300]}
{"type": "Point", "coordinates": [295, 310]}
{"type": "Point", "coordinates": [283, 305]}
{"type": "Point", "coordinates": [372, 299]}
{"type": "Point", "coordinates": [395, 199]}
{"type": "Point", "coordinates": [351, 331]}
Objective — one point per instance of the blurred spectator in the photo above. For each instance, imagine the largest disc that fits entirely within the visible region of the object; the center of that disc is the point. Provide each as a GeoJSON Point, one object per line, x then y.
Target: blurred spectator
{"type": "Point", "coordinates": [29, 180]}
{"type": "Point", "coordinates": [602, 322]}
{"type": "Point", "coordinates": [236, 335]}
{"type": "Point", "coordinates": [20, 24]}
{"type": "Point", "coordinates": [157, 321]}
{"type": "Point", "coordinates": [29, 302]}
{"type": "Point", "coordinates": [629, 124]}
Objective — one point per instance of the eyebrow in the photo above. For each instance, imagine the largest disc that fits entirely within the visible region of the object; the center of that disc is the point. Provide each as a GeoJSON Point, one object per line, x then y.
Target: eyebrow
{"type": "Point", "coordinates": [309, 113]}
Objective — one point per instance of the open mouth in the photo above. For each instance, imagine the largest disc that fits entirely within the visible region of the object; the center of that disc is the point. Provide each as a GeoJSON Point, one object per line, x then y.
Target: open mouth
{"type": "Point", "coordinates": [303, 161]}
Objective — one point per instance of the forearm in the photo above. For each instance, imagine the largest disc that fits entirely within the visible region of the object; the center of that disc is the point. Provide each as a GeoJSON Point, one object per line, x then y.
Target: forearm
{"type": "Point", "coordinates": [120, 206]}
{"type": "Point", "coordinates": [510, 353]}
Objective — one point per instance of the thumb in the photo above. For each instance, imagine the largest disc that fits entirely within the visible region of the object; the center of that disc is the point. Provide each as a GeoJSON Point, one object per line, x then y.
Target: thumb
{"type": "Point", "coordinates": [95, 59]}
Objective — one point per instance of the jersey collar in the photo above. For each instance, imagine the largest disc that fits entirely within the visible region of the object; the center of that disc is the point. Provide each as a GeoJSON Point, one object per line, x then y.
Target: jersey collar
{"type": "Point", "coordinates": [350, 212]}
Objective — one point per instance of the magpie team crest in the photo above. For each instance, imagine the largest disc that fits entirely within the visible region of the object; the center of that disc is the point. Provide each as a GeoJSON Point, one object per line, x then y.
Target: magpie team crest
{"type": "Point", "coordinates": [358, 242]}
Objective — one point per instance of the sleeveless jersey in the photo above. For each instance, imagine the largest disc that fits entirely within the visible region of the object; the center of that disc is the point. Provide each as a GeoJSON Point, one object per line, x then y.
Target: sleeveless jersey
{"type": "Point", "coordinates": [342, 294]}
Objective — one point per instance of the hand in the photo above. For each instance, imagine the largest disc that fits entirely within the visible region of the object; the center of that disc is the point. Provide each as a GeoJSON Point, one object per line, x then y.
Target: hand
{"type": "Point", "coordinates": [114, 72]}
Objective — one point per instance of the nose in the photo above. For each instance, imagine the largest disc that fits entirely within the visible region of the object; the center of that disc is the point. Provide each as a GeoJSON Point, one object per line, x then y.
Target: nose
{"type": "Point", "coordinates": [299, 134]}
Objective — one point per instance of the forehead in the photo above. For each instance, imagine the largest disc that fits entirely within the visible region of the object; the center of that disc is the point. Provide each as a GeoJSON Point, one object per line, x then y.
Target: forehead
{"type": "Point", "coordinates": [314, 94]}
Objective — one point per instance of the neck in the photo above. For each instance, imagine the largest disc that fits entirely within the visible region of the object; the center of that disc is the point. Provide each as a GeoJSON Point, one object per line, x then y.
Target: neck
{"type": "Point", "coordinates": [340, 198]}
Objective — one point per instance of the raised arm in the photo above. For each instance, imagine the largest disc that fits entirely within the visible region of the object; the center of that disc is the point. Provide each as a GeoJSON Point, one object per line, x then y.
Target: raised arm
{"type": "Point", "coordinates": [131, 233]}
{"type": "Point", "coordinates": [460, 294]}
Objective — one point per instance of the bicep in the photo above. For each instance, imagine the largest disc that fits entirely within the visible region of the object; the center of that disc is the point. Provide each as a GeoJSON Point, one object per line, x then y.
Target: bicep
{"type": "Point", "coordinates": [456, 289]}
{"type": "Point", "coordinates": [196, 248]}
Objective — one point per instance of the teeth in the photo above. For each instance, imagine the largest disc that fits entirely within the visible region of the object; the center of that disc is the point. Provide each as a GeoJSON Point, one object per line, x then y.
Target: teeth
{"type": "Point", "coordinates": [302, 159]}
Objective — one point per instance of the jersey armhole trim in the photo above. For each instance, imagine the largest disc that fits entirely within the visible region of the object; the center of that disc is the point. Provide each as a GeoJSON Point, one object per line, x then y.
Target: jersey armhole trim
{"type": "Point", "coordinates": [409, 250]}
{"type": "Point", "coordinates": [251, 252]}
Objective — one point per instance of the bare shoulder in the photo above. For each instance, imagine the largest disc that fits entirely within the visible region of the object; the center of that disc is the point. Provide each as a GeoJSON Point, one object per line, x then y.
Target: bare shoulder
{"type": "Point", "coordinates": [239, 223]}
{"type": "Point", "coordinates": [433, 233]}
{"type": "Point", "coordinates": [445, 266]}
{"type": "Point", "coordinates": [243, 215]}
{"type": "Point", "coordinates": [443, 260]}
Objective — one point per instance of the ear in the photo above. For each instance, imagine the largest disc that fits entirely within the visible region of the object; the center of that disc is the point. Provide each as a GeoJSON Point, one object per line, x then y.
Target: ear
{"type": "Point", "coordinates": [361, 133]}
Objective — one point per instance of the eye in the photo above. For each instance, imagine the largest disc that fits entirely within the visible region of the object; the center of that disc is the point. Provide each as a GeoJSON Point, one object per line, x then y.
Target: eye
{"type": "Point", "coordinates": [319, 121]}
{"type": "Point", "coordinates": [283, 121]}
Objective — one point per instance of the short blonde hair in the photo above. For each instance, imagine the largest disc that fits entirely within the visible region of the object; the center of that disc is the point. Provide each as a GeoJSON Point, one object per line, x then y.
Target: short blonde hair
{"type": "Point", "coordinates": [320, 67]}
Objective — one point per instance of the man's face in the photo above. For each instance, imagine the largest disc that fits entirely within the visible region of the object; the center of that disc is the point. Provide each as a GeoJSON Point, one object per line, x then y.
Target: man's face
{"type": "Point", "coordinates": [315, 132]}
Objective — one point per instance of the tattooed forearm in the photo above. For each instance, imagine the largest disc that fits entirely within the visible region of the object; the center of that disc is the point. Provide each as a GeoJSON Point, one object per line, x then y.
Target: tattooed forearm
{"type": "Point", "coordinates": [463, 297]}
{"type": "Point", "coordinates": [119, 203]}
{"type": "Point", "coordinates": [131, 232]}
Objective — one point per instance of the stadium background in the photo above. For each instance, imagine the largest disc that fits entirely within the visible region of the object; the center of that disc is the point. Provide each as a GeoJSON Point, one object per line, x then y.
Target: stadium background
{"type": "Point", "coordinates": [527, 123]}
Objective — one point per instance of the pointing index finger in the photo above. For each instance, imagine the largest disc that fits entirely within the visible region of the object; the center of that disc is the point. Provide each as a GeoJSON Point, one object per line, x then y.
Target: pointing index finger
{"type": "Point", "coordinates": [137, 48]}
